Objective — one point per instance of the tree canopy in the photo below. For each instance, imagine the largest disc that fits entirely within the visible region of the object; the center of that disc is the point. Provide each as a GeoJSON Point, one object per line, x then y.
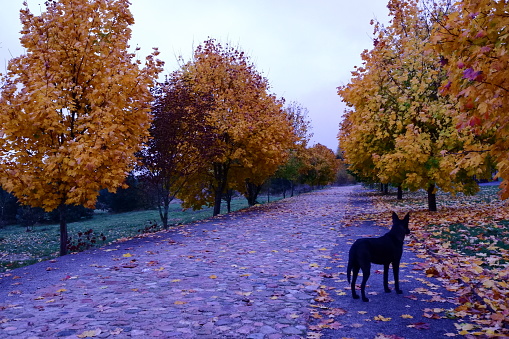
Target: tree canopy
{"type": "Point", "coordinates": [251, 134]}
{"type": "Point", "coordinates": [76, 107]}
{"type": "Point", "coordinates": [472, 41]}
{"type": "Point", "coordinates": [399, 129]}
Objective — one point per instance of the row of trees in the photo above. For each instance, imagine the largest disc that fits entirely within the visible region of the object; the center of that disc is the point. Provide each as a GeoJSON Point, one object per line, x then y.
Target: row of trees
{"type": "Point", "coordinates": [78, 111]}
{"type": "Point", "coordinates": [428, 107]}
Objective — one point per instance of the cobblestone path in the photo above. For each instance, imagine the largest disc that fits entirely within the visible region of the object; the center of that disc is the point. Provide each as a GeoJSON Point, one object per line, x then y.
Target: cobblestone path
{"type": "Point", "coordinates": [251, 274]}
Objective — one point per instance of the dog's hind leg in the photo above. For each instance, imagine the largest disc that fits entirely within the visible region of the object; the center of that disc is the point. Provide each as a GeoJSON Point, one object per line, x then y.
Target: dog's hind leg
{"type": "Point", "coordinates": [355, 273]}
{"type": "Point", "coordinates": [366, 271]}
{"type": "Point", "coordinates": [395, 269]}
{"type": "Point", "coordinates": [386, 278]}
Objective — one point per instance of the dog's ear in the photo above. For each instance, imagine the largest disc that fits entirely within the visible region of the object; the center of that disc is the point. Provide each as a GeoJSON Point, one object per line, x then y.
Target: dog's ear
{"type": "Point", "coordinates": [394, 217]}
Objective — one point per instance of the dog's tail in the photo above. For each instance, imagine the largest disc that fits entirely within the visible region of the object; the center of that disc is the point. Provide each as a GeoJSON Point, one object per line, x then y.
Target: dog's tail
{"type": "Point", "coordinates": [349, 270]}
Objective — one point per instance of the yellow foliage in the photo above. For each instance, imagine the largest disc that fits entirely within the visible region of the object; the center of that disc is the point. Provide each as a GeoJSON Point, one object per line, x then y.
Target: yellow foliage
{"type": "Point", "coordinates": [472, 41]}
{"type": "Point", "coordinates": [398, 128]}
{"type": "Point", "coordinates": [252, 134]}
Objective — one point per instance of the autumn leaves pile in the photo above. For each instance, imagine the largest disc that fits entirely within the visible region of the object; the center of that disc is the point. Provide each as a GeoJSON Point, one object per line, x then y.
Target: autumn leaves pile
{"type": "Point", "coordinates": [428, 108]}
{"type": "Point", "coordinates": [78, 112]}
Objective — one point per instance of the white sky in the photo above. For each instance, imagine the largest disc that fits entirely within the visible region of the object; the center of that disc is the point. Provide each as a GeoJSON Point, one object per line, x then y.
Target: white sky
{"type": "Point", "coordinates": [306, 48]}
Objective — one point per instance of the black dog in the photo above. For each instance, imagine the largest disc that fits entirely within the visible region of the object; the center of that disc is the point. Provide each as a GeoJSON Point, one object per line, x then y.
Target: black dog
{"type": "Point", "coordinates": [385, 250]}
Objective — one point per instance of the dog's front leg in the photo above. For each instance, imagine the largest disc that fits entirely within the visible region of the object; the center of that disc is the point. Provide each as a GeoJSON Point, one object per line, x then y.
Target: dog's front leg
{"type": "Point", "coordinates": [395, 269]}
{"type": "Point", "coordinates": [386, 278]}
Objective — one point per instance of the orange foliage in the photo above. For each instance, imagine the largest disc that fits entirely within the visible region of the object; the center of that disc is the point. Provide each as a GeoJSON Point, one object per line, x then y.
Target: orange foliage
{"type": "Point", "coordinates": [472, 40]}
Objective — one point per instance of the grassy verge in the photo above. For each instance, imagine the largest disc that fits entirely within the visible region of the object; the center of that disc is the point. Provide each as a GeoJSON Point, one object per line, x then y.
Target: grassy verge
{"type": "Point", "coordinates": [466, 246]}
{"type": "Point", "coordinates": [20, 248]}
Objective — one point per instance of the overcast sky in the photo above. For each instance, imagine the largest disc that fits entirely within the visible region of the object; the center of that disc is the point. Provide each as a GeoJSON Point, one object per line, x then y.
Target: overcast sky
{"type": "Point", "coordinates": [306, 48]}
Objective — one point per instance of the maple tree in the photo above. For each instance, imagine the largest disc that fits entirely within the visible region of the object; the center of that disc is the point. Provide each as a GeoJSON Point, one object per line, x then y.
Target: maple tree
{"type": "Point", "coordinates": [398, 128]}
{"type": "Point", "coordinates": [251, 132]}
{"type": "Point", "coordinates": [320, 166]}
{"type": "Point", "coordinates": [75, 107]}
{"type": "Point", "coordinates": [472, 40]}
{"type": "Point", "coordinates": [179, 139]}
{"type": "Point", "coordinates": [290, 171]}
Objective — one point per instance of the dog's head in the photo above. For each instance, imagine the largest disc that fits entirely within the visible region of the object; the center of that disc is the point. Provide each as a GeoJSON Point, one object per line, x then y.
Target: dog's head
{"type": "Point", "coordinates": [401, 224]}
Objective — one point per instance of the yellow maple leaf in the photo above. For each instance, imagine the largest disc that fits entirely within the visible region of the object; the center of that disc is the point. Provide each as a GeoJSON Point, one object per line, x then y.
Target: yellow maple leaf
{"type": "Point", "coordinates": [382, 318]}
{"type": "Point", "coordinates": [127, 255]}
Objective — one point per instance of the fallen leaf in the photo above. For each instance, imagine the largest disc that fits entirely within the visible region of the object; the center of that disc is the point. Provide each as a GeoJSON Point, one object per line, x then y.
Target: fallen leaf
{"type": "Point", "coordinates": [89, 334]}
{"type": "Point", "coordinates": [382, 318]}
{"type": "Point", "coordinates": [127, 255]}
{"type": "Point", "coordinates": [420, 326]}
{"type": "Point", "coordinates": [116, 331]}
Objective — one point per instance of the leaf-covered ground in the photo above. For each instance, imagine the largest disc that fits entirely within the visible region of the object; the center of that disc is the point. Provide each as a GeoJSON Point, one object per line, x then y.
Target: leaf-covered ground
{"type": "Point", "coordinates": [466, 246]}
{"type": "Point", "coordinates": [19, 248]}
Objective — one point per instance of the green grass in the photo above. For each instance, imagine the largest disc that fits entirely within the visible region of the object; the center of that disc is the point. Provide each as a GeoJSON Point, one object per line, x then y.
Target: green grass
{"type": "Point", "coordinates": [418, 199]}
{"type": "Point", "coordinates": [485, 240]}
{"type": "Point", "coordinates": [20, 248]}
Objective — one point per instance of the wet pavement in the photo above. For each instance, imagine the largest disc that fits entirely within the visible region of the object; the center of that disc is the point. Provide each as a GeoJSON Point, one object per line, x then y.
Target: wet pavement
{"type": "Point", "coordinates": [253, 274]}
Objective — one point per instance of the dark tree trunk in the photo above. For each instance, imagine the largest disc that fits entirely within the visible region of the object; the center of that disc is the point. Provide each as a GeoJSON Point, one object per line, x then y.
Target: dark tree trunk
{"type": "Point", "coordinates": [62, 209]}
{"type": "Point", "coordinates": [163, 212]}
{"type": "Point", "coordinates": [400, 192]}
{"type": "Point", "coordinates": [385, 189]}
{"type": "Point", "coordinates": [221, 176]}
{"type": "Point", "coordinates": [217, 203]}
{"type": "Point", "coordinates": [432, 198]}
{"type": "Point", "coordinates": [163, 205]}
{"type": "Point", "coordinates": [252, 192]}
{"type": "Point", "coordinates": [228, 198]}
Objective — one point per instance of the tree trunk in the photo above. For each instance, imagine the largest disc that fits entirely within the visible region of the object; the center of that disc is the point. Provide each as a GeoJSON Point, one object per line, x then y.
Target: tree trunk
{"type": "Point", "coordinates": [228, 198]}
{"type": "Point", "coordinates": [400, 192]}
{"type": "Point", "coordinates": [268, 191]}
{"type": "Point", "coordinates": [221, 176]}
{"type": "Point", "coordinates": [252, 192]}
{"type": "Point", "coordinates": [163, 212]}
{"type": "Point", "coordinates": [62, 209]}
{"type": "Point", "coordinates": [229, 204]}
{"type": "Point", "coordinates": [217, 202]}
{"type": "Point", "coordinates": [432, 198]}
